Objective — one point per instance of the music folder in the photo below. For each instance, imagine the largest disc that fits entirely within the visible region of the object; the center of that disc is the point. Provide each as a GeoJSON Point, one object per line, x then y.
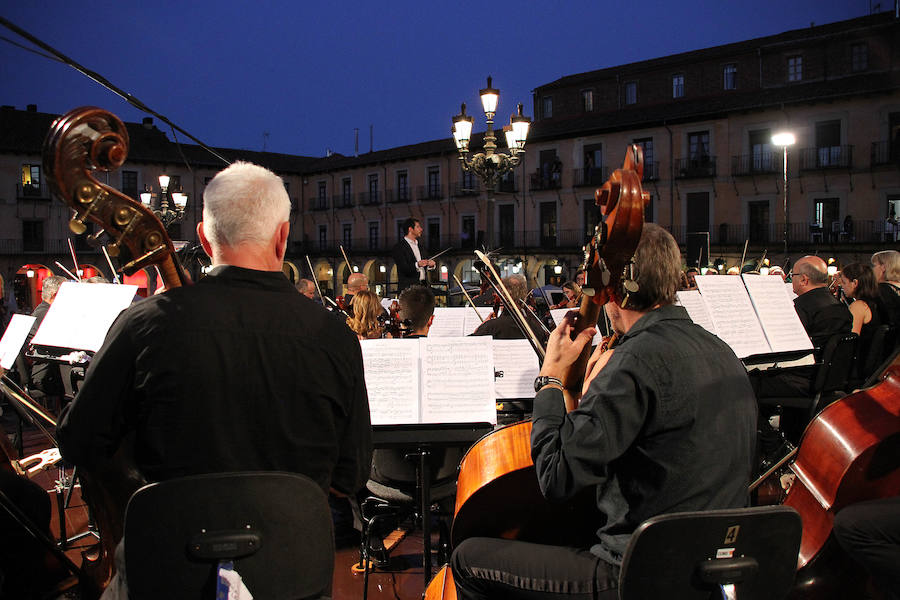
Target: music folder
{"type": "Point", "coordinates": [81, 314]}
{"type": "Point", "coordinates": [14, 338]}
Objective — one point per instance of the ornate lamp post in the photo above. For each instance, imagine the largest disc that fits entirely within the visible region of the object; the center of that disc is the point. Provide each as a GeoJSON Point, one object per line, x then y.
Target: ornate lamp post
{"type": "Point", "coordinates": [490, 165]}
{"type": "Point", "coordinates": [785, 139]}
{"type": "Point", "coordinates": [165, 213]}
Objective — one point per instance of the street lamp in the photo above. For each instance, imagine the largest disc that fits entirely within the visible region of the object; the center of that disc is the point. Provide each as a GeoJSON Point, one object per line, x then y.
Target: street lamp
{"type": "Point", "coordinates": [166, 214]}
{"type": "Point", "coordinates": [785, 139]}
{"type": "Point", "coordinates": [490, 165]}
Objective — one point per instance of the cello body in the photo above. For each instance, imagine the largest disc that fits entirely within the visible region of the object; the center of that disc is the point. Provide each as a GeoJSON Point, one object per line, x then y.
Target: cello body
{"type": "Point", "coordinates": [849, 453]}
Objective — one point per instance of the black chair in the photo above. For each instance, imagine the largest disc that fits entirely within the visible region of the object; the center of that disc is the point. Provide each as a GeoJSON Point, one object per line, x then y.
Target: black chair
{"type": "Point", "coordinates": [746, 553]}
{"type": "Point", "coordinates": [275, 527]}
{"type": "Point", "coordinates": [870, 357]}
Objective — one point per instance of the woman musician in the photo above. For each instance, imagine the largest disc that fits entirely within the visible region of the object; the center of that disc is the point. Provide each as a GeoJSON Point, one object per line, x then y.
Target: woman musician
{"type": "Point", "coordinates": [573, 296]}
{"type": "Point", "coordinates": [650, 431]}
{"type": "Point", "coordinates": [364, 318]}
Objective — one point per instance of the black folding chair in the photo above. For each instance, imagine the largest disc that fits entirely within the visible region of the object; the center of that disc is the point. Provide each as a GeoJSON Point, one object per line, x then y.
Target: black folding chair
{"type": "Point", "coordinates": [746, 553]}
{"type": "Point", "coordinates": [275, 527]}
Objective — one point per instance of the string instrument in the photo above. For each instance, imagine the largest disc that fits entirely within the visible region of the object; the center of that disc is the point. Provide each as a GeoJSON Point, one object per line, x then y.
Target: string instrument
{"type": "Point", "coordinates": [849, 453]}
{"type": "Point", "coordinates": [81, 143]}
{"type": "Point", "coordinates": [392, 323]}
{"type": "Point", "coordinates": [497, 493]}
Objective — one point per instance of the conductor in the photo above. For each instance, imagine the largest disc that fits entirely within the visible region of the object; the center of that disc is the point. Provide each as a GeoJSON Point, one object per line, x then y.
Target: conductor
{"type": "Point", "coordinates": [411, 267]}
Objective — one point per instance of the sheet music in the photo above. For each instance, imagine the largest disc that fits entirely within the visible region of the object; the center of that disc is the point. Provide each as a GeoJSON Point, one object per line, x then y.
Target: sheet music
{"type": "Point", "coordinates": [557, 314]}
{"type": "Point", "coordinates": [696, 309]}
{"type": "Point", "coordinates": [472, 321]}
{"type": "Point", "coordinates": [781, 325]}
{"type": "Point", "coordinates": [82, 313]}
{"type": "Point", "coordinates": [449, 321]}
{"type": "Point", "coordinates": [518, 363]}
{"type": "Point", "coordinates": [733, 314]}
{"type": "Point", "coordinates": [14, 338]}
{"type": "Point", "coordinates": [458, 380]}
{"type": "Point", "coordinates": [392, 380]}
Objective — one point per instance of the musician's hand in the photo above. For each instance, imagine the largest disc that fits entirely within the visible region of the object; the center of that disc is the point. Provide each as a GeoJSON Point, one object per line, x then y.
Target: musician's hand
{"type": "Point", "coordinates": [595, 364]}
{"type": "Point", "coordinates": [563, 351]}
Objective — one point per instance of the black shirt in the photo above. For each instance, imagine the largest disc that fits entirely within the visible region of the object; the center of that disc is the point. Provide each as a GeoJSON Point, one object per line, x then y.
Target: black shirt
{"type": "Point", "coordinates": [822, 315]}
{"type": "Point", "coordinates": [668, 425]}
{"type": "Point", "coordinates": [238, 372]}
{"type": "Point", "coordinates": [504, 327]}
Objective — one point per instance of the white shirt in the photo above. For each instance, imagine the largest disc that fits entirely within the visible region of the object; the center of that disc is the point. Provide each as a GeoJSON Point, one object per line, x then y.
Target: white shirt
{"type": "Point", "coordinates": [414, 244]}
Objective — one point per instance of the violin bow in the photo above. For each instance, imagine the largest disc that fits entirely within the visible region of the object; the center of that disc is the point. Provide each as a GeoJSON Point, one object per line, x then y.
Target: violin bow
{"type": "Point", "coordinates": [316, 281]}
{"type": "Point", "coordinates": [66, 271]}
{"type": "Point", "coordinates": [468, 297]}
{"type": "Point", "coordinates": [74, 259]}
{"type": "Point", "coordinates": [511, 305]}
{"type": "Point", "coordinates": [346, 260]}
{"type": "Point", "coordinates": [112, 269]}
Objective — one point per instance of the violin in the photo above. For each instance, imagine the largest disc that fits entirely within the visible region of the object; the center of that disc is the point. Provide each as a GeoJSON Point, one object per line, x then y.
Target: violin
{"type": "Point", "coordinates": [79, 144]}
{"type": "Point", "coordinates": [392, 324]}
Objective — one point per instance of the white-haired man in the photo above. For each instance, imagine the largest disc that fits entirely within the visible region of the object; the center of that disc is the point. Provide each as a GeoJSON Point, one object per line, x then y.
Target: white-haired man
{"type": "Point", "coordinates": [236, 373]}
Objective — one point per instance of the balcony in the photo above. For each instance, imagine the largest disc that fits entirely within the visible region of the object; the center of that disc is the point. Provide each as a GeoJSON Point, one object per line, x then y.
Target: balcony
{"type": "Point", "coordinates": [884, 154]}
{"type": "Point", "coordinates": [545, 182]}
{"type": "Point", "coordinates": [399, 196]}
{"type": "Point", "coordinates": [828, 157]}
{"type": "Point", "coordinates": [689, 168]}
{"type": "Point", "coordinates": [461, 188]}
{"type": "Point", "coordinates": [32, 192]}
{"type": "Point", "coordinates": [651, 171]}
{"type": "Point", "coordinates": [590, 176]}
{"type": "Point", "coordinates": [756, 164]}
{"type": "Point", "coordinates": [342, 201]}
{"type": "Point", "coordinates": [507, 186]}
{"type": "Point", "coordinates": [318, 204]}
{"type": "Point", "coordinates": [429, 192]}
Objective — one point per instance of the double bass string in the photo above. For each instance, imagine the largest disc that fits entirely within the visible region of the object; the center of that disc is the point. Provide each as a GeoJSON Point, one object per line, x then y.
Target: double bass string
{"type": "Point", "coordinates": [96, 77]}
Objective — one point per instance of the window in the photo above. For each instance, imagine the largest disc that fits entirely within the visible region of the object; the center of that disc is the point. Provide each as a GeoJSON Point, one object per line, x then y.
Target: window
{"type": "Point", "coordinates": [587, 100]}
{"type": "Point", "coordinates": [828, 143]}
{"type": "Point", "coordinates": [31, 180]}
{"type": "Point", "coordinates": [433, 177]}
{"type": "Point", "coordinates": [648, 210]}
{"type": "Point", "coordinates": [346, 190]}
{"type": "Point", "coordinates": [698, 146]}
{"type": "Point", "coordinates": [373, 188]}
{"type": "Point", "coordinates": [593, 164]}
{"type": "Point", "coordinates": [826, 211]}
{"type": "Point", "coordinates": [32, 236]}
{"type": "Point", "coordinates": [507, 222]}
{"type": "Point", "coordinates": [631, 92]}
{"type": "Point", "coordinates": [347, 235]}
{"type": "Point", "coordinates": [646, 145]}
{"type": "Point", "coordinates": [729, 77]}
{"type": "Point", "coordinates": [402, 186]}
{"type": "Point", "coordinates": [323, 237]}
{"type": "Point", "coordinates": [468, 181]}
{"type": "Point", "coordinates": [795, 68]}
{"type": "Point", "coordinates": [592, 216]}
{"type": "Point", "coordinates": [129, 183]}
{"type": "Point", "coordinates": [373, 235]}
{"type": "Point", "coordinates": [548, 224]}
{"type": "Point", "coordinates": [678, 86]}
{"type": "Point", "coordinates": [761, 158]}
{"type": "Point", "coordinates": [467, 231]}
{"type": "Point", "coordinates": [321, 195]}
{"type": "Point", "coordinates": [433, 233]}
{"type": "Point", "coordinates": [547, 107]}
{"type": "Point", "coordinates": [859, 57]}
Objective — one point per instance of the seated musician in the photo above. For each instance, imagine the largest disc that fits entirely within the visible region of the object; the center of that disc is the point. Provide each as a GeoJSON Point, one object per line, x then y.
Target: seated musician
{"type": "Point", "coordinates": [857, 284]}
{"type": "Point", "coordinates": [363, 320]}
{"type": "Point", "coordinates": [653, 431]}
{"type": "Point", "coordinates": [238, 372]}
{"type": "Point", "coordinates": [573, 296]}
{"type": "Point", "coordinates": [504, 327]}
{"type": "Point", "coordinates": [45, 376]}
{"type": "Point", "coordinates": [886, 265]}
{"type": "Point", "coordinates": [307, 288]}
{"type": "Point", "coordinates": [417, 307]}
{"type": "Point", "coordinates": [870, 533]}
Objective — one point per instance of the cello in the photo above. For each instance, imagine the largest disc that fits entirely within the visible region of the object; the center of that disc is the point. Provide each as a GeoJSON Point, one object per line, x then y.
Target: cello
{"type": "Point", "coordinates": [79, 144]}
{"type": "Point", "coordinates": [498, 469]}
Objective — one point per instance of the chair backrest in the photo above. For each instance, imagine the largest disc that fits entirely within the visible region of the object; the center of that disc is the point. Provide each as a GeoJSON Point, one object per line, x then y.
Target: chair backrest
{"type": "Point", "coordinates": [876, 352]}
{"type": "Point", "coordinates": [837, 363]}
{"type": "Point", "coordinates": [685, 556]}
{"type": "Point", "coordinates": [276, 527]}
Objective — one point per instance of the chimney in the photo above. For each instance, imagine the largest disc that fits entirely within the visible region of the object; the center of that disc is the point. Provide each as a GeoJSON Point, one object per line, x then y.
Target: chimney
{"type": "Point", "coordinates": [31, 108]}
{"type": "Point", "coordinates": [148, 123]}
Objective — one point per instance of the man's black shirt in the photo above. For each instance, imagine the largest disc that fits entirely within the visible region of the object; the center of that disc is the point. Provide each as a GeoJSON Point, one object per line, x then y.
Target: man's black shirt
{"type": "Point", "coordinates": [238, 372]}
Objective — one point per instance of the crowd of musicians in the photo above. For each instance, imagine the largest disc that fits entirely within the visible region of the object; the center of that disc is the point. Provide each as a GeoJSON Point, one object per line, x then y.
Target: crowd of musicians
{"type": "Point", "coordinates": [244, 371]}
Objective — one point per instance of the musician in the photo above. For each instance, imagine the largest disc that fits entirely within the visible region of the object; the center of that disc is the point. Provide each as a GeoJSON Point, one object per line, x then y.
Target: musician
{"type": "Point", "coordinates": [411, 266]}
{"type": "Point", "coordinates": [573, 296]}
{"type": "Point", "coordinates": [504, 327]}
{"type": "Point", "coordinates": [652, 431]}
{"type": "Point", "coordinates": [45, 376]}
{"type": "Point", "coordinates": [886, 265]}
{"type": "Point", "coordinates": [870, 533]}
{"type": "Point", "coordinates": [307, 288]}
{"type": "Point", "coordinates": [363, 321]}
{"type": "Point", "coordinates": [238, 372]}
{"type": "Point", "coordinates": [417, 307]}
{"type": "Point", "coordinates": [691, 276]}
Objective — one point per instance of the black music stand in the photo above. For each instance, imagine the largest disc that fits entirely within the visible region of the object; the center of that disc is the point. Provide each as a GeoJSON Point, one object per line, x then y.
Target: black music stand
{"type": "Point", "coordinates": [420, 440]}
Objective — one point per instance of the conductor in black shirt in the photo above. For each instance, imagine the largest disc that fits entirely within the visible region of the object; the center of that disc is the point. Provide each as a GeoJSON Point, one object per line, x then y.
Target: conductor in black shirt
{"type": "Point", "coordinates": [239, 372]}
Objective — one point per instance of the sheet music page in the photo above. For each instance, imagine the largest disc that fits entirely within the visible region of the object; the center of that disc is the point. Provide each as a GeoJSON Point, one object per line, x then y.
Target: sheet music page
{"type": "Point", "coordinates": [732, 313]}
{"type": "Point", "coordinates": [472, 321]}
{"type": "Point", "coordinates": [14, 338]}
{"type": "Point", "coordinates": [448, 321]}
{"type": "Point", "coordinates": [458, 380]}
{"type": "Point", "coordinates": [82, 313]}
{"type": "Point", "coordinates": [392, 380]}
{"type": "Point", "coordinates": [557, 314]}
{"type": "Point", "coordinates": [776, 312]}
{"type": "Point", "coordinates": [515, 367]}
{"type": "Point", "coordinates": [696, 309]}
